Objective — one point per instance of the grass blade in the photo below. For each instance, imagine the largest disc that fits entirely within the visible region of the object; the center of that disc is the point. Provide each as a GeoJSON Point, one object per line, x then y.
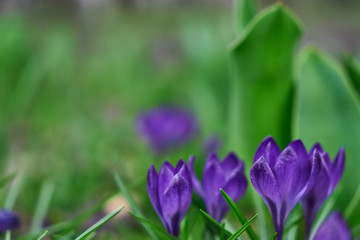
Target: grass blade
{"type": "Point", "coordinates": [99, 224]}
{"type": "Point", "coordinates": [214, 223]}
{"type": "Point", "coordinates": [242, 229]}
{"type": "Point", "coordinates": [238, 214]}
{"type": "Point", "coordinates": [274, 236]}
{"type": "Point", "coordinates": [132, 203]}
{"type": "Point", "coordinates": [8, 235]}
{"type": "Point", "coordinates": [153, 226]}
{"type": "Point", "coordinates": [42, 235]}
{"type": "Point", "coordinates": [42, 206]}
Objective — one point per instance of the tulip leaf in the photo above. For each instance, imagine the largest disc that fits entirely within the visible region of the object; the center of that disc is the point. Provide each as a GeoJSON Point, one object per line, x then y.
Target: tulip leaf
{"type": "Point", "coordinates": [262, 60]}
{"type": "Point", "coordinates": [352, 67]}
{"type": "Point", "coordinates": [245, 11]}
{"type": "Point", "coordinates": [99, 223]}
{"type": "Point", "coordinates": [238, 214]}
{"type": "Point", "coordinates": [273, 236]}
{"type": "Point", "coordinates": [153, 226]}
{"type": "Point", "coordinates": [214, 224]}
{"type": "Point", "coordinates": [327, 110]}
{"type": "Point", "coordinates": [132, 203]}
{"type": "Point", "coordinates": [242, 229]}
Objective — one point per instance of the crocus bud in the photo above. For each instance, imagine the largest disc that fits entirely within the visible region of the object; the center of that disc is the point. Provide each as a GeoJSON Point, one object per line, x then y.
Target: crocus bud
{"type": "Point", "coordinates": [166, 128]}
{"type": "Point", "coordinates": [8, 220]}
{"type": "Point", "coordinates": [329, 176]}
{"type": "Point", "coordinates": [283, 177]}
{"type": "Point", "coordinates": [334, 227]}
{"type": "Point", "coordinates": [170, 193]}
{"type": "Point", "coordinates": [228, 175]}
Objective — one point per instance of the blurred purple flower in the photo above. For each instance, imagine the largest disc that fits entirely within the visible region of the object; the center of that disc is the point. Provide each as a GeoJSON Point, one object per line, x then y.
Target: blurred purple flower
{"type": "Point", "coordinates": [329, 176]}
{"type": "Point", "coordinates": [228, 175]}
{"type": "Point", "coordinates": [283, 177]}
{"type": "Point", "coordinates": [334, 227]}
{"type": "Point", "coordinates": [212, 144]}
{"type": "Point", "coordinates": [165, 128]}
{"type": "Point", "coordinates": [170, 193]}
{"type": "Point", "coordinates": [8, 220]}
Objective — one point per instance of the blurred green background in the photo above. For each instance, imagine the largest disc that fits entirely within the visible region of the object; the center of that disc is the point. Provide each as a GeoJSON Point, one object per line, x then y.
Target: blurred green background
{"type": "Point", "coordinates": [74, 75]}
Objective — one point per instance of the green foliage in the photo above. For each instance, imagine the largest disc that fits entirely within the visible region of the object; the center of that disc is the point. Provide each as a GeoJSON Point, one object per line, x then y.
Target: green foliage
{"type": "Point", "coordinates": [214, 226]}
{"type": "Point", "coordinates": [328, 111]}
{"type": "Point", "coordinates": [98, 224]}
{"type": "Point", "coordinates": [242, 229]}
{"type": "Point", "coordinates": [262, 59]}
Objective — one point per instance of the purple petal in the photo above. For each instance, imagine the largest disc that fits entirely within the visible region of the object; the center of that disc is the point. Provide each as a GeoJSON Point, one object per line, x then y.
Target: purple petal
{"type": "Point", "coordinates": [314, 174]}
{"type": "Point", "coordinates": [236, 186]}
{"type": "Point", "coordinates": [185, 173]}
{"type": "Point", "coordinates": [316, 146]}
{"type": "Point", "coordinates": [333, 228]}
{"type": "Point", "coordinates": [166, 174]}
{"type": "Point", "coordinates": [152, 188]}
{"type": "Point", "coordinates": [195, 182]}
{"type": "Point", "coordinates": [269, 149]}
{"type": "Point", "coordinates": [176, 202]}
{"type": "Point", "coordinates": [213, 179]}
{"type": "Point", "coordinates": [337, 168]}
{"type": "Point", "coordinates": [303, 157]}
{"type": "Point", "coordinates": [288, 174]}
{"type": "Point", "coordinates": [264, 181]}
{"type": "Point", "coordinates": [230, 163]}
{"type": "Point", "coordinates": [8, 220]}
{"type": "Point", "coordinates": [212, 144]}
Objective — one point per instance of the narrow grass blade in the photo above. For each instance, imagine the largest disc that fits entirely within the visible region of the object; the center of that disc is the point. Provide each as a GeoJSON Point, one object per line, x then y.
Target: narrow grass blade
{"type": "Point", "coordinates": [274, 236]}
{"type": "Point", "coordinates": [13, 193]}
{"type": "Point", "coordinates": [153, 226]}
{"type": "Point", "coordinates": [353, 203]}
{"type": "Point", "coordinates": [242, 229]}
{"type": "Point", "coordinates": [214, 223]}
{"type": "Point", "coordinates": [8, 235]}
{"type": "Point", "coordinates": [42, 235]}
{"type": "Point", "coordinates": [132, 203]}
{"type": "Point", "coordinates": [42, 206]}
{"type": "Point", "coordinates": [7, 179]}
{"type": "Point", "coordinates": [238, 214]}
{"type": "Point", "coordinates": [99, 224]}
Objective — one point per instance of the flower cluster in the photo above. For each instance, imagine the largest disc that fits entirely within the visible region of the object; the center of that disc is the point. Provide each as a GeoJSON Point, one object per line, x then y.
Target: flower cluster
{"type": "Point", "coordinates": [283, 178]}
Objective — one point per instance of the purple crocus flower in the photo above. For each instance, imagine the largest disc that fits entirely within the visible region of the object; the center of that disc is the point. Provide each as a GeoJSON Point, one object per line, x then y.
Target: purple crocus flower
{"type": "Point", "coordinates": [170, 193]}
{"type": "Point", "coordinates": [334, 227]}
{"type": "Point", "coordinates": [212, 144]}
{"type": "Point", "coordinates": [228, 175]}
{"type": "Point", "coordinates": [283, 177]}
{"type": "Point", "coordinates": [165, 128]}
{"type": "Point", "coordinates": [8, 220]}
{"type": "Point", "coordinates": [329, 176]}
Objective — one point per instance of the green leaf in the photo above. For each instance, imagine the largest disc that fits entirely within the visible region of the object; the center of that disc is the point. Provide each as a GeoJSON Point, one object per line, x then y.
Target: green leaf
{"type": "Point", "coordinates": [220, 230]}
{"type": "Point", "coordinates": [327, 110]}
{"type": "Point", "coordinates": [262, 60]}
{"type": "Point", "coordinates": [42, 235]}
{"type": "Point", "coordinates": [185, 228]}
{"type": "Point", "coordinates": [8, 235]}
{"type": "Point", "coordinates": [352, 67]}
{"type": "Point", "coordinates": [262, 85]}
{"type": "Point", "coordinates": [132, 203]}
{"type": "Point", "coordinates": [153, 226]}
{"type": "Point", "coordinates": [7, 179]}
{"type": "Point", "coordinates": [242, 229]}
{"type": "Point", "coordinates": [273, 236]}
{"type": "Point", "coordinates": [238, 214]}
{"type": "Point", "coordinates": [245, 12]}
{"type": "Point", "coordinates": [99, 223]}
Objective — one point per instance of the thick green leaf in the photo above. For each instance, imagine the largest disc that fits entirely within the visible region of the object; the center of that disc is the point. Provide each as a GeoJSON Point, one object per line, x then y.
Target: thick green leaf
{"type": "Point", "coordinates": [153, 226]}
{"type": "Point", "coordinates": [352, 66]}
{"type": "Point", "coordinates": [99, 223]}
{"type": "Point", "coordinates": [238, 214]}
{"type": "Point", "coordinates": [219, 229]}
{"type": "Point", "coordinates": [242, 229]}
{"type": "Point", "coordinates": [327, 110]}
{"type": "Point", "coordinates": [245, 12]}
{"type": "Point", "coordinates": [261, 94]}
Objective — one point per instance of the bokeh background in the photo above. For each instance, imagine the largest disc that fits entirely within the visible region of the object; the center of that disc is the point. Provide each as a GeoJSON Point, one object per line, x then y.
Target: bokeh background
{"type": "Point", "coordinates": [75, 74]}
